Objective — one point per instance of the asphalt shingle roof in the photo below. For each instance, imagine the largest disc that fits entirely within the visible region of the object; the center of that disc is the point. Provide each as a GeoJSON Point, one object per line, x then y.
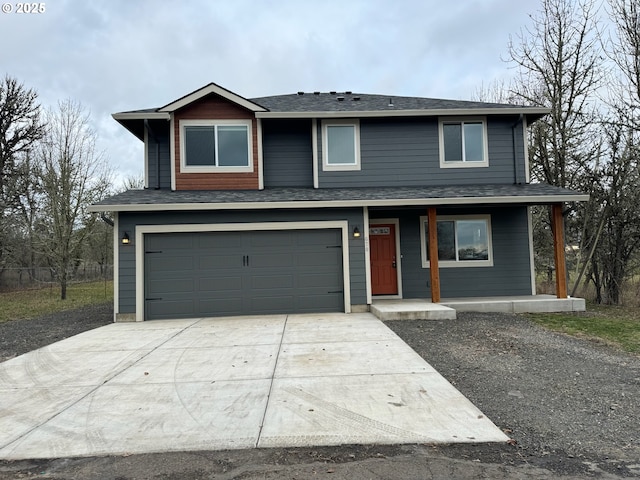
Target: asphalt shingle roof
{"type": "Point", "coordinates": [355, 102]}
{"type": "Point", "coordinates": [337, 197]}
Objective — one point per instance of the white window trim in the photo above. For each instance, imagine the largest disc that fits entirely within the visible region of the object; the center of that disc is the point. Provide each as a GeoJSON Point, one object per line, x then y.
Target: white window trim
{"type": "Point", "coordinates": [184, 168]}
{"type": "Point", "coordinates": [456, 263]}
{"type": "Point", "coordinates": [444, 120]}
{"type": "Point", "coordinates": [325, 158]}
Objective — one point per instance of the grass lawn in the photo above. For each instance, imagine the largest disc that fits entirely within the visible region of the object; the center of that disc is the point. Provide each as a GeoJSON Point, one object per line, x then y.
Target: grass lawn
{"type": "Point", "coordinates": [615, 325]}
{"type": "Point", "coordinates": [34, 303]}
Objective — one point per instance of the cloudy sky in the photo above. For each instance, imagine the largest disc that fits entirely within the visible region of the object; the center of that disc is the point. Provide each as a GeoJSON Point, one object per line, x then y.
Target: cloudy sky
{"type": "Point", "coordinates": [116, 55]}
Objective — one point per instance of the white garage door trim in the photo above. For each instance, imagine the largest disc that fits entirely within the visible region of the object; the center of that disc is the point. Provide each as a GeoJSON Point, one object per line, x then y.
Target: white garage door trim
{"type": "Point", "coordinates": [142, 230]}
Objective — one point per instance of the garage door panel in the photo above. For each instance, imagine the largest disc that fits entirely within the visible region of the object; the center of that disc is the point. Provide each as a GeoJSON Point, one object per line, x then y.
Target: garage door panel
{"type": "Point", "coordinates": [316, 303]}
{"type": "Point", "coordinates": [319, 258]}
{"type": "Point", "coordinates": [320, 237]}
{"type": "Point", "coordinates": [165, 285]}
{"type": "Point", "coordinates": [173, 241]}
{"type": "Point", "coordinates": [271, 239]}
{"type": "Point", "coordinates": [220, 284]}
{"type": "Point", "coordinates": [272, 282]}
{"type": "Point", "coordinates": [208, 261]}
{"type": "Point", "coordinates": [171, 309]}
{"type": "Point", "coordinates": [215, 307]}
{"type": "Point", "coordinates": [218, 240]}
{"type": "Point", "coordinates": [266, 260]}
{"type": "Point", "coordinates": [287, 272]}
{"type": "Point", "coordinates": [318, 280]}
{"type": "Point", "coordinates": [273, 304]}
{"type": "Point", "coordinates": [169, 263]}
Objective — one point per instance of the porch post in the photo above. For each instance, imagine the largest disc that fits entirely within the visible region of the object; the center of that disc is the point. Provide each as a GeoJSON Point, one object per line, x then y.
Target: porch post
{"type": "Point", "coordinates": [434, 271]}
{"type": "Point", "coordinates": [558, 250]}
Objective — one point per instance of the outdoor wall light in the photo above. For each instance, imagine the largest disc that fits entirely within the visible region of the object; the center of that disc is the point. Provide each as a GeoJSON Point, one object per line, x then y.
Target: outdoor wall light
{"type": "Point", "coordinates": [356, 233]}
{"type": "Point", "coordinates": [125, 239]}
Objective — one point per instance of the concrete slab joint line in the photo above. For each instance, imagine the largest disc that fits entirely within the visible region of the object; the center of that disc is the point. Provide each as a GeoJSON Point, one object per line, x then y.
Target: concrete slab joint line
{"type": "Point", "coordinates": [273, 376]}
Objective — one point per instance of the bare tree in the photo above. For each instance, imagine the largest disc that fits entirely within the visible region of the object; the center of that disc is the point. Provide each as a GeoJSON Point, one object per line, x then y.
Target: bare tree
{"type": "Point", "coordinates": [619, 187]}
{"type": "Point", "coordinates": [20, 128]}
{"type": "Point", "coordinates": [73, 177]}
{"type": "Point", "coordinates": [560, 66]}
{"type": "Point", "coordinates": [133, 182]}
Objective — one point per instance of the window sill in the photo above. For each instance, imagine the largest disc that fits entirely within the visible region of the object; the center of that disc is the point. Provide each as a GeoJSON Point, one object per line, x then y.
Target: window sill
{"type": "Point", "coordinates": [186, 169]}
{"type": "Point", "coordinates": [340, 168]}
{"type": "Point", "coordinates": [467, 264]}
{"type": "Point", "coordinates": [463, 164]}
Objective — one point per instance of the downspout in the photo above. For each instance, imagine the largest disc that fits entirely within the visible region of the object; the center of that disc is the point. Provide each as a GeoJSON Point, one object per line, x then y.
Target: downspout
{"type": "Point", "coordinates": [106, 219]}
{"type": "Point", "coordinates": [516, 173]}
{"type": "Point", "coordinates": [155, 139]}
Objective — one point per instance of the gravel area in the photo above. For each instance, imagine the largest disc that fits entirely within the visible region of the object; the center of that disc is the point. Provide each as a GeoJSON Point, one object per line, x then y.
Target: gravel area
{"type": "Point", "coordinates": [571, 406]}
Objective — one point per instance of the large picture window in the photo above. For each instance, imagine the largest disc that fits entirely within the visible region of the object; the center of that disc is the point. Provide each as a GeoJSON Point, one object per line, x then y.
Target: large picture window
{"type": "Point", "coordinates": [463, 241]}
{"type": "Point", "coordinates": [341, 145]}
{"type": "Point", "coordinates": [216, 146]}
{"type": "Point", "coordinates": [463, 143]}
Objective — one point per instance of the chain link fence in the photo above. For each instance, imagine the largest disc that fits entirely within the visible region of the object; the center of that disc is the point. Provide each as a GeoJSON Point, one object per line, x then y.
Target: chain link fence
{"type": "Point", "coordinates": [38, 278]}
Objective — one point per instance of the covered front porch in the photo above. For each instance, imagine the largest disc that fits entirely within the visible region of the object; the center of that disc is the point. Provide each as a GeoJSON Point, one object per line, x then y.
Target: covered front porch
{"type": "Point", "coordinates": [446, 309]}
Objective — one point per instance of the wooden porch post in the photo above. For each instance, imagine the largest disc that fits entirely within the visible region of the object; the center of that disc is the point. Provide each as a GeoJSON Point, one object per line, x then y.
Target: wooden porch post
{"type": "Point", "coordinates": [558, 250]}
{"type": "Point", "coordinates": [433, 256]}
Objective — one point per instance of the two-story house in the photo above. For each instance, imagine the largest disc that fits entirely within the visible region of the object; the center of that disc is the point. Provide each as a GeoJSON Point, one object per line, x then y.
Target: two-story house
{"type": "Point", "coordinates": [326, 202]}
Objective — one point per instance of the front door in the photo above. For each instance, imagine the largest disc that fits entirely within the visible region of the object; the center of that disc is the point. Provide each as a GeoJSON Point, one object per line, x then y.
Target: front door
{"type": "Point", "coordinates": [384, 276]}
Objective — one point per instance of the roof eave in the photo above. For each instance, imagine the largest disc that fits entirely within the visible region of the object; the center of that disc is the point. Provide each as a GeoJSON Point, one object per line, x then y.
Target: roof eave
{"type": "Point", "coordinates": [134, 121]}
{"type": "Point", "coordinates": [496, 200]}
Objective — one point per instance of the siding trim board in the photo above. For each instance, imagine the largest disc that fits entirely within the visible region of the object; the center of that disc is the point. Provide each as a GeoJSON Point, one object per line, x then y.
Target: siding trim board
{"type": "Point", "coordinates": [116, 266]}
{"type": "Point", "coordinates": [142, 230]}
{"type": "Point", "coordinates": [367, 255]}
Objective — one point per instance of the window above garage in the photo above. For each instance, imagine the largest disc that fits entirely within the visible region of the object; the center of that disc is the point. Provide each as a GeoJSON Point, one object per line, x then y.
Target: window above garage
{"type": "Point", "coordinates": [208, 146]}
{"type": "Point", "coordinates": [463, 143]}
{"type": "Point", "coordinates": [340, 145]}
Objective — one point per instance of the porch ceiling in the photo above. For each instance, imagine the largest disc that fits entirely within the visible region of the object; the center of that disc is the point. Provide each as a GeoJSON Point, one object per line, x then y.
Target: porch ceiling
{"type": "Point", "coordinates": [155, 200]}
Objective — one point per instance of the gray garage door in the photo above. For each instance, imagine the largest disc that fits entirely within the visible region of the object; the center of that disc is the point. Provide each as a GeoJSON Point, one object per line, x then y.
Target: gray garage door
{"type": "Point", "coordinates": [238, 273]}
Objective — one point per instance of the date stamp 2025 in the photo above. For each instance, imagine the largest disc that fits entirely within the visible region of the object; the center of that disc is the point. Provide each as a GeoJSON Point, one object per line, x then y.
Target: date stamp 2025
{"type": "Point", "coordinates": [24, 8]}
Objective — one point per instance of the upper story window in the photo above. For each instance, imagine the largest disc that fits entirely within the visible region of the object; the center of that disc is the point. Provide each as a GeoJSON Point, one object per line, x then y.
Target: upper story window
{"type": "Point", "coordinates": [463, 143]}
{"type": "Point", "coordinates": [463, 241]}
{"type": "Point", "coordinates": [340, 145]}
{"type": "Point", "coordinates": [215, 146]}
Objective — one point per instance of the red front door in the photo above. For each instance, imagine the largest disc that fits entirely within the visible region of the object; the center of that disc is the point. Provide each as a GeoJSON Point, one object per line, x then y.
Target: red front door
{"type": "Point", "coordinates": [382, 244]}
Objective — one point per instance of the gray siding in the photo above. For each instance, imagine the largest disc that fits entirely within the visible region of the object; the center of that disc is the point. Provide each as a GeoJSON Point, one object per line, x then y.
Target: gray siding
{"type": "Point", "coordinates": [128, 221]}
{"type": "Point", "coordinates": [160, 129]}
{"type": "Point", "coordinates": [287, 153]}
{"type": "Point", "coordinates": [510, 274]}
{"type": "Point", "coordinates": [405, 152]}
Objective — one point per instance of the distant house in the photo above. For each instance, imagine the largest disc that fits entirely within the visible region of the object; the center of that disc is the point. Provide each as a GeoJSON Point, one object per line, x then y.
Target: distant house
{"type": "Point", "coordinates": [323, 202]}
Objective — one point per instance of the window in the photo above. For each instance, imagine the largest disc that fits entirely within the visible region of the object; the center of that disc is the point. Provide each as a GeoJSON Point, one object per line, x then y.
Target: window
{"type": "Point", "coordinates": [208, 146]}
{"type": "Point", "coordinates": [463, 143]}
{"type": "Point", "coordinates": [341, 145]}
{"type": "Point", "coordinates": [463, 241]}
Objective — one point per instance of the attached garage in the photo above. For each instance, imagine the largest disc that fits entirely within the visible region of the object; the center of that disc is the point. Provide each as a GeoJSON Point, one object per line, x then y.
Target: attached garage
{"type": "Point", "coordinates": [219, 273]}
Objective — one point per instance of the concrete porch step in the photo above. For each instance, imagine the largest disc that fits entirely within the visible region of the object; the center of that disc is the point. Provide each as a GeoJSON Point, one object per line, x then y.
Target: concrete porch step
{"type": "Point", "coordinates": [411, 310]}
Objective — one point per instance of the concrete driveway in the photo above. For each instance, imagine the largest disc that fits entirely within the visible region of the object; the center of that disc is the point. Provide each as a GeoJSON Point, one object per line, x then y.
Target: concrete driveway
{"type": "Point", "coordinates": [229, 383]}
